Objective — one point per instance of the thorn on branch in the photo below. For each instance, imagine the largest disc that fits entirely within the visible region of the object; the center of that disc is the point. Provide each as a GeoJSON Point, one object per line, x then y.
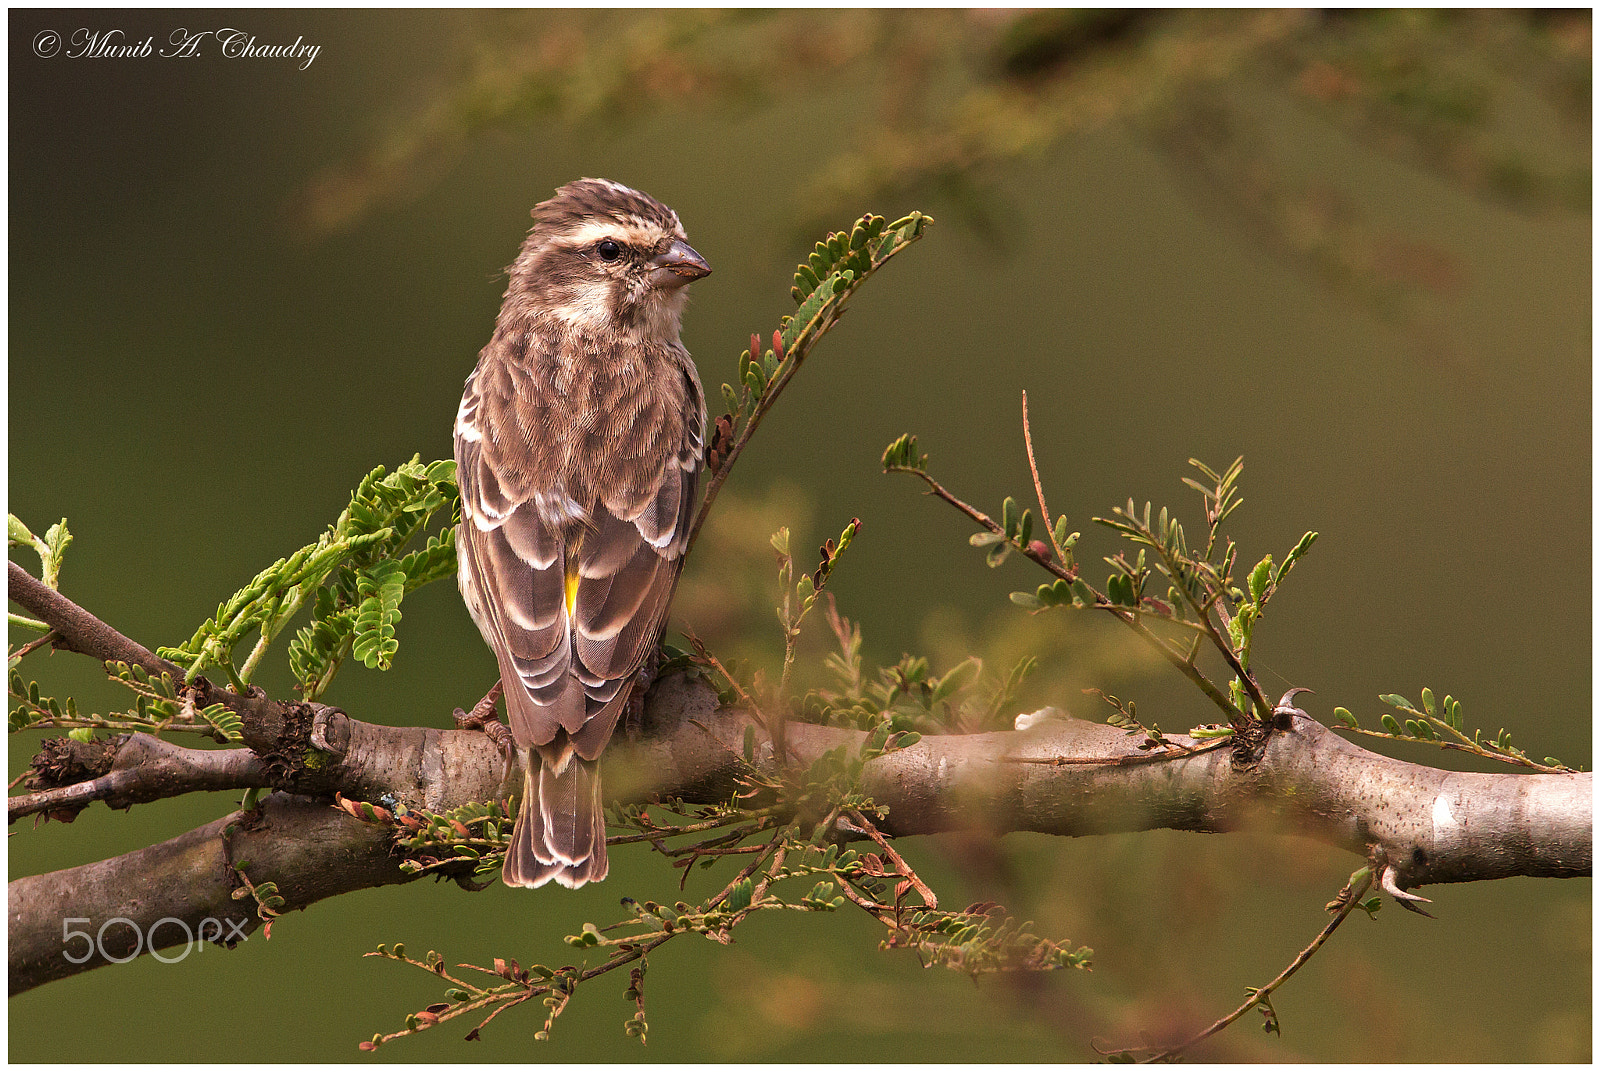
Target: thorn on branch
{"type": "Point", "coordinates": [1389, 881]}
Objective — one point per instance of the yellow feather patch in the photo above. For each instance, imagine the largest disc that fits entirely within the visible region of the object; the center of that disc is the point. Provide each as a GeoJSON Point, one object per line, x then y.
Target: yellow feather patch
{"type": "Point", "coordinates": [572, 575]}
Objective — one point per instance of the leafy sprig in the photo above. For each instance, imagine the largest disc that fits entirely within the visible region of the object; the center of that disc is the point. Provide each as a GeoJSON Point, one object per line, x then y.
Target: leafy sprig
{"type": "Point", "coordinates": [1201, 601]}
{"type": "Point", "coordinates": [823, 286]}
{"type": "Point", "coordinates": [795, 867]}
{"type": "Point", "coordinates": [1440, 722]}
{"type": "Point", "coordinates": [162, 705]}
{"type": "Point", "coordinates": [354, 577]}
{"type": "Point", "coordinates": [469, 839]}
{"type": "Point", "coordinates": [51, 548]}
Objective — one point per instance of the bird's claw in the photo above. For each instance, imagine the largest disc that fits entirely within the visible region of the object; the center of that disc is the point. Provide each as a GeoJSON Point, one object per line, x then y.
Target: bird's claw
{"type": "Point", "coordinates": [485, 719]}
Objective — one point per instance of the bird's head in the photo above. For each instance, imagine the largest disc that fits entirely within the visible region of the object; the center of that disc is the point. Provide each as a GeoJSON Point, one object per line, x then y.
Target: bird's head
{"type": "Point", "coordinates": [605, 258]}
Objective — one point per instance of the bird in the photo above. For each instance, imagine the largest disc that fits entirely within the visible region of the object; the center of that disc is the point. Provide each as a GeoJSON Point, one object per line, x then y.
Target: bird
{"type": "Point", "coordinates": [579, 445]}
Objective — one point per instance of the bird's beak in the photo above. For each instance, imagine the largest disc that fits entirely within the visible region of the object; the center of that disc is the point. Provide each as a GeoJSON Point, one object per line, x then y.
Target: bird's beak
{"type": "Point", "coordinates": [679, 265]}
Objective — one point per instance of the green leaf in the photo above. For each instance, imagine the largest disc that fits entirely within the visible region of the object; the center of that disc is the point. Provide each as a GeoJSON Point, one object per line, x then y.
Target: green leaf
{"type": "Point", "coordinates": [739, 897]}
{"type": "Point", "coordinates": [1390, 724]}
{"type": "Point", "coordinates": [382, 588]}
{"type": "Point", "coordinates": [957, 678]}
{"type": "Point", "coordinates": [1396, 700]}
{"type": "Point", "coordinates": [1259, 578]}
{"type": "Point", "coordinates": [1293, 556]}
{"type": "Point", "coordinates": [1427, 701]}
{"type": "Point", "coordinates": [902, 454]}
{"type": "Point", "coordinates": [1346, 717]}
{"type": "Point", "coordinates": [435, 561]}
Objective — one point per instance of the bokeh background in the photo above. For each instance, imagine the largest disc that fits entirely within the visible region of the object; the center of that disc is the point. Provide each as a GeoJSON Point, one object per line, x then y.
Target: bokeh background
{"type": "Point", "coordinates": [1354, 249]}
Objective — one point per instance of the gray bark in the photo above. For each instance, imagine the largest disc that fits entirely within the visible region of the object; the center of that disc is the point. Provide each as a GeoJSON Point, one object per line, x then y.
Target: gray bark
{"type": "Point", "coordinates": [1062, 776]}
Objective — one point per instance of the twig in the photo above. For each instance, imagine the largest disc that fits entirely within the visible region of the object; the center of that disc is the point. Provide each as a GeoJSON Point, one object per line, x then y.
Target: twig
{"type": "Point", "coordinates": [692, 828]}
{"type": "Point", "coordinates": [1183, 752]}
{"type": "Point", "coordinates": [788, 364]}
{"type": "Point", "coordinates": [1129, 616]}
{"type": "Point", "coordinates": [1472, 748]}
{"type": "Point", "coordinates": [905, 869]}
{"type": "Point", "coordinates": [792, 356]}
{"type": "Point", "coordinates": [33, 645]}
{"type": "Point", "coordinates": [1038, 486]}
{"type": "Point", "coordinates": [703, 652]}
{"type": "Point", "coordinates": [1256, 998]}
{"type": "Point", "coordinates": [82, 632]}
{"type": "Point", "coordinates": [1218, 641]}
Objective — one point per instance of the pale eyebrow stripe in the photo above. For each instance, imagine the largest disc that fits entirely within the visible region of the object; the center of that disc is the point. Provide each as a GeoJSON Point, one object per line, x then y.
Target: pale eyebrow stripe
{"type": "Point", "coordinates": [633, 232]}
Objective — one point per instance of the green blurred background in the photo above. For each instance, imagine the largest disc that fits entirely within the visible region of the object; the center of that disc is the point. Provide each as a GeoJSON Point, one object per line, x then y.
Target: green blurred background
{"type": "Point", "coordinates": [1354, 249]}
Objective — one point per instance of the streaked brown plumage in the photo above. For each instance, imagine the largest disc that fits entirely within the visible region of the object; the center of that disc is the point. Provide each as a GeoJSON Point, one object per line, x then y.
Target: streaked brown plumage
{"type": "Point", "coordinates": [579, 445]}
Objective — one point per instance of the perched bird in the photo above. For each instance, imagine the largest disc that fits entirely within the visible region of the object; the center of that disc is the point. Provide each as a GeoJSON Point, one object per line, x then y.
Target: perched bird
{"type": "Point", "coordinates": [579, 445]}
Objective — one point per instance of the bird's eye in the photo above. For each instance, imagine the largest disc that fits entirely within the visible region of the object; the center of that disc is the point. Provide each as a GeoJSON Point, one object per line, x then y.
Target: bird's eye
{"type": "Point", "coordinates": [608, 250]}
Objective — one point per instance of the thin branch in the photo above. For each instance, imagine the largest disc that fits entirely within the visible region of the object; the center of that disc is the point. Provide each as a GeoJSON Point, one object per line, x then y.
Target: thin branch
{"type": "Point", "coordinates": [788, 364]}
{"type": "Point", "coordinates": [790, 358]}
{"type": "Point", "coordinates": [704, 653]}
{"type": "Point", "coordinates": [1127, 615]}
{"type": "Point", "coordinates": [1351, 903]}
{"type": "Point", "coordinates": [33, 645]}
{"type": "Point", "coordinates": [148, 768]}
{"type": "Point", "coordinates": [662, 833]}
{"type": "Point", "coordinates": [81, 631]}
{"type": "Point", "coordinates": [1471, 747]}
{"type": "Point", "coordinates": [1218, 641]}
{"type": "Point", "coordinates": [1181, 752]}
{"type": "Point", "coordinates": [1038, 486]}
{"type": "Point", "coordinates": [904, 868]}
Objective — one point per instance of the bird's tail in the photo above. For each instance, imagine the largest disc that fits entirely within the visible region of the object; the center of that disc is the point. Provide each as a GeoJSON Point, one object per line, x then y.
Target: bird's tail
{"type": "Point", "coordinates": [560, 831]}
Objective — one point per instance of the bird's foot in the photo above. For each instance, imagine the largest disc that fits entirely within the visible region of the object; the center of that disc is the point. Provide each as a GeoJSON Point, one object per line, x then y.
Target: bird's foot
{"type": "Point", "coordinates": [485, 719]}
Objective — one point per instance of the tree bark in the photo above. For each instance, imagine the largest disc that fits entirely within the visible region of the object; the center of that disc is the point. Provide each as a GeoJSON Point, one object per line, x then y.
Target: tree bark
{"type": "Point", "coordinates": [1062, 776]}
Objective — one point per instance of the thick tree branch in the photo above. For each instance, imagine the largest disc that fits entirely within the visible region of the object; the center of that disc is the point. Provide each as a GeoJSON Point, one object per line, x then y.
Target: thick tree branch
{"type": "Point", "coordinates": [1432, 826]}
{"type": "Point", "coordinates": [170, 893]}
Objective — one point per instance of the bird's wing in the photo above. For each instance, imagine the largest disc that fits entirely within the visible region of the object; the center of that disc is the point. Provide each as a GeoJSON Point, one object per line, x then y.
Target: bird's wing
{"type": "Point", "coordinates": [628, 565]}
{"type": "Point", "coordinates": [572, 601]}
{"type": "Point", "coordinates": [513, 565]}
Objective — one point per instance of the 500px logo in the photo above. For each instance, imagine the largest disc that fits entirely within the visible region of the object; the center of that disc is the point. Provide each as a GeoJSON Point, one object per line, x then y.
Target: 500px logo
{"type": "Point", "coordinates": [209, 930]}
